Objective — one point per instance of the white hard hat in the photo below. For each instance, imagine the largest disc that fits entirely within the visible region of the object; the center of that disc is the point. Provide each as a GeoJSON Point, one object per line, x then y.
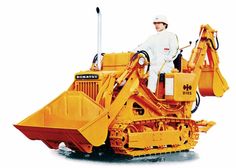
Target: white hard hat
{"type": "Point", "coordinates": [160, 18]}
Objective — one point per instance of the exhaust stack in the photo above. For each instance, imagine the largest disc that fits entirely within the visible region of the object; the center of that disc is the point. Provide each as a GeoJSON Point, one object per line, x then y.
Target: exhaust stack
{"type": "Point", "coordinates": [99, 37]}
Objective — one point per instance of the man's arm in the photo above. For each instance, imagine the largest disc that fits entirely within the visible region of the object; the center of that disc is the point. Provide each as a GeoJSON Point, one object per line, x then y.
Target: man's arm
{"type": "Point", "coordinates": [145, 46]}
{"type": "Point", "coordinates": [174, 46]}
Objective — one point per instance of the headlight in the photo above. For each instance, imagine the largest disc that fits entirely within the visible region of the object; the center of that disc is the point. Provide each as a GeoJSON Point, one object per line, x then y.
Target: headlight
{"type": "Point", "coordinates": [141, 61]}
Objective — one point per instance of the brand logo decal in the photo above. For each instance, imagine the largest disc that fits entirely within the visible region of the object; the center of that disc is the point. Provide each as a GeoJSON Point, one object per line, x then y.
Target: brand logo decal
{"type": "Point", "coordinates": [187, 89]}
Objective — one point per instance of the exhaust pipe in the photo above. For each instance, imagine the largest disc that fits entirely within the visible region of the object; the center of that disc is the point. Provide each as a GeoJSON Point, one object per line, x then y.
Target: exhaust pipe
{"type": "Point", "coordinates": [99, 37]}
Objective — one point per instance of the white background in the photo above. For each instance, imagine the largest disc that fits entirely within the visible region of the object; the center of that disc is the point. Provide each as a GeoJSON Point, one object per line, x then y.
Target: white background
{"type": "Point", "coordinates": [43, 43]}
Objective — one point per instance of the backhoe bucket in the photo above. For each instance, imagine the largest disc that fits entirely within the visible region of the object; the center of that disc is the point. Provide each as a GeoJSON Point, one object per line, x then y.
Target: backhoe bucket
{"type": "Point", "coordinates": [212, 83]}
{"type": "Point", "coordinates": [73, 118]}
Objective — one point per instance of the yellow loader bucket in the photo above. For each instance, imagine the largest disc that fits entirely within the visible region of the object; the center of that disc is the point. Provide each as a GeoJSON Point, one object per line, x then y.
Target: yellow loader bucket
{"type": "Point", "coordinates": [73, 118]}
{"type": "Point", "coordinates": [212, 83]}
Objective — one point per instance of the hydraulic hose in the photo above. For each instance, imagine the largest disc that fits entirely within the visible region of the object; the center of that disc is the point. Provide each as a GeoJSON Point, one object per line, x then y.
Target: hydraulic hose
{"type": "Point", "coordinates": [217, 43]}
{"type": "Point", "coordinates": [198, 100]}
{"type": "Point", "coordinates": [212, 45]}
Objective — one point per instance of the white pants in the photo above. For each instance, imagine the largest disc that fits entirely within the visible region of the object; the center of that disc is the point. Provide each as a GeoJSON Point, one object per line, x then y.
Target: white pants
{"type": "Point", "coordinates": [154, 72]}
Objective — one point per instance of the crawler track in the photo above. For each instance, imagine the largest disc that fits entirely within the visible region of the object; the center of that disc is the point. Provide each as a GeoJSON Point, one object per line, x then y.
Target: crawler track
{"type": "Point", "coordinates": [154, 136]}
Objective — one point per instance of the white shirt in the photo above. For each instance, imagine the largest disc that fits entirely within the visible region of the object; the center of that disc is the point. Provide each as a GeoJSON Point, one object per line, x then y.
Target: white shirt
{"type": "Point", "coordinates": [160, 47]}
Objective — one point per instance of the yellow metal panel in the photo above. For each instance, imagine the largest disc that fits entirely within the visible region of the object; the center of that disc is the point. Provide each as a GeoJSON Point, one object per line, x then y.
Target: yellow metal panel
{"type": "Point", "coordinates": [116, 61]}
{"type": "Point", "coordinates": [155, 138]}
{"type": "Point", "coordinates": [184, 86]}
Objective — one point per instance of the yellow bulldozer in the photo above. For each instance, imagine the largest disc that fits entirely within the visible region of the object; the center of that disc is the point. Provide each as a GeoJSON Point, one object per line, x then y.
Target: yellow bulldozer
{"type": "Point", "coordinates": [111, 106]}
